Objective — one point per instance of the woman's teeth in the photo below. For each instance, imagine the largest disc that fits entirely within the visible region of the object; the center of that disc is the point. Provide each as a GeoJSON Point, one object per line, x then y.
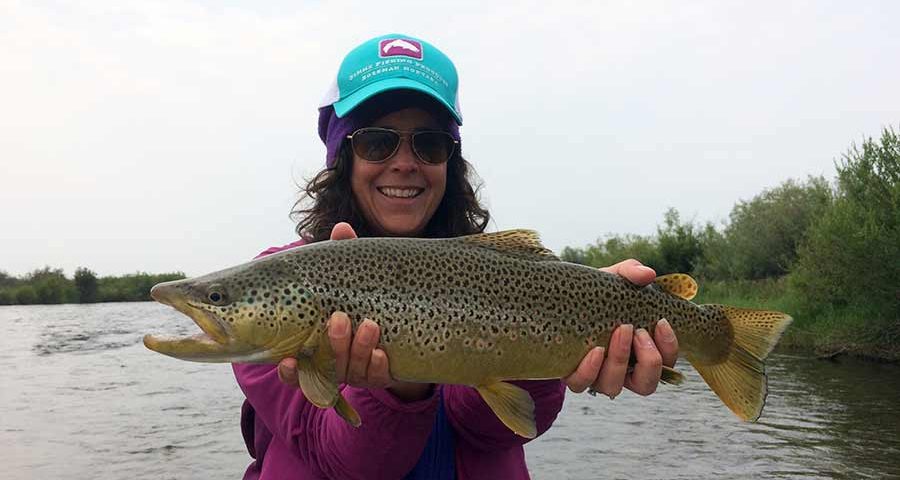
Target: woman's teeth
{"type": "Point", "coordinates": [400, 192]}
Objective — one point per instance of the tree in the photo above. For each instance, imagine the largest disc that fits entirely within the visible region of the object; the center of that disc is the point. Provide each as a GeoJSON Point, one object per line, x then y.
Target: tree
{"type": "Point", "coordinates": [680, 245]}
{"type": "Point", "coordinates": [51, 286]}
{"type": "Point", "coordinates": [852, 253]}
{"type": "Point", "coordinates": [763, 235]}
{"type": "Point", "coordinates": [86, 284]}
{"type": "Point", "coordinates": [7, 280]}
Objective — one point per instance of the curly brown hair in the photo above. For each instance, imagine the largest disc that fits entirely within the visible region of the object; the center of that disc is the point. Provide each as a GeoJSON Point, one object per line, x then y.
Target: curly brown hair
{"type": "Point", "coordinates": [459, 213]}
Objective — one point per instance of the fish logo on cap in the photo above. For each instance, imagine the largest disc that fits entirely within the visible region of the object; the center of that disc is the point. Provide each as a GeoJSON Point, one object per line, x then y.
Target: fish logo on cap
{"type": "Point", "coordinates": [392, 47]}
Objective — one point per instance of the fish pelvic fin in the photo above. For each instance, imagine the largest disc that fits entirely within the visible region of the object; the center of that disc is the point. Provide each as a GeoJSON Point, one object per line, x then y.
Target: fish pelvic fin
{"type": "Point", "coordinates": [520, 243]}
{"type": "Point", "coordinates": [317, 376]}
{"type": "Point", "coordinates": [679, 284]}
{"type": "Point", "coordinates": [512, 405]}
{"type": "Point", "coordinates": [671, 376]}
{"type": "Point", "coordinates": [739, 379]}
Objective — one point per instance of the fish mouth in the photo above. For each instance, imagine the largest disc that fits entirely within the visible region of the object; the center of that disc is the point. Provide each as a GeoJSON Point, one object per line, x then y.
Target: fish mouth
{"type": "Point", "coordinates": [212, 345]}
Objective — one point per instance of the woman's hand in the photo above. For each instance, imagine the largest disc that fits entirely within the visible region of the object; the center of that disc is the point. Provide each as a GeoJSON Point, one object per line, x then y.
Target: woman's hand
{"type": "Point", "coordinates": [607, 371]}
{"type": "Point", "coordinates": [358, 361]}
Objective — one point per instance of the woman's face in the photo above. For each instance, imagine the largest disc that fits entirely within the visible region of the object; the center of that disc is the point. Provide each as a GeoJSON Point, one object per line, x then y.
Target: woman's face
{"type": "Point", "coordinates": [399, 196]}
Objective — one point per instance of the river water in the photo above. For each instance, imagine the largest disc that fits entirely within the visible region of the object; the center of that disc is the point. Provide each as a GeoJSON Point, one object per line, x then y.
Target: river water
{"type": "Point", "coordinates": [81, 397]}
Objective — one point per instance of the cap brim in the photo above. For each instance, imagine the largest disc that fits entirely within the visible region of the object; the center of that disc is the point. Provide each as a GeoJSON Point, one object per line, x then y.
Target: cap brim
{"type": "Point", "coordinates": [342, 107]}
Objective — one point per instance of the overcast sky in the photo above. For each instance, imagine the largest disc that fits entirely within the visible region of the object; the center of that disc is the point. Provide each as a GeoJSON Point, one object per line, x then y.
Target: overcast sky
{"type": "Point", "coordinates": [162, 136]}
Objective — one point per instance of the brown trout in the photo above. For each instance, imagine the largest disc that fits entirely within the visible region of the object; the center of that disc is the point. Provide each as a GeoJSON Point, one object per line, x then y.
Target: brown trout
{"type": "Point", "coordinates": [476, 310]}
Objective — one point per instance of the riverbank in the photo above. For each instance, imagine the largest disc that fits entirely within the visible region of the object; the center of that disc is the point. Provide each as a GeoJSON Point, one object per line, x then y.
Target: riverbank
{"type": "Point", "coordinates": [50, 286]}
{"type": "Point", "coordinates": [828, 331]}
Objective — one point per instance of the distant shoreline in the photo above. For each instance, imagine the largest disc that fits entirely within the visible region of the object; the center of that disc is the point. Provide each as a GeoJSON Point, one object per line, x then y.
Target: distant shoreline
{"type": "Point", "coordinates": [50, 286]}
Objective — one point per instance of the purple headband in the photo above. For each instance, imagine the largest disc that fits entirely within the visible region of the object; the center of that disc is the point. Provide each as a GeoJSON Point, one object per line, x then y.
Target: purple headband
{"type": "Point", "coordinates": [333, 130]}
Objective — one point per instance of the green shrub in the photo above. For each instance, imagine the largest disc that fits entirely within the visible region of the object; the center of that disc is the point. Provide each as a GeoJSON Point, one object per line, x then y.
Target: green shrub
{"type": "Point", "coordinates": [86, 283]}
{"type": "Point", "coordinates": [613, 249]}
{"type": "Point", "coordinates": [852, 254]}
{"type": "Point", "coordinates": [26, 295]}
{"type": "Point", "coordinates": [680, 244]}
{"type": "Point", "coordinates": [764, 233]}
{"type": "Point", "coordinates": [51, 286]}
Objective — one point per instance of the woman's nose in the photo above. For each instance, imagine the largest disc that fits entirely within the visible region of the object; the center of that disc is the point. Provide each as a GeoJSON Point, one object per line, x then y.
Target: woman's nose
{"type": "Point", "coordinates": [405, 158]}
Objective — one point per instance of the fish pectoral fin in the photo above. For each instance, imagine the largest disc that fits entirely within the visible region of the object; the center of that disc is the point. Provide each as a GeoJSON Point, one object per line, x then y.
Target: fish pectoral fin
{"type": "Point", "coordinates": [318, 380]}
{"type": "Point", "coordinates": [679, 284]}
{"type": "Point", "coordinates": [346, 411]}
{"type": "Point", "coordinates": [512, 405]}
{"type": "Point", "coordinates": [323, 392]}
{"type": "Point", "coordinates": [671, 376]}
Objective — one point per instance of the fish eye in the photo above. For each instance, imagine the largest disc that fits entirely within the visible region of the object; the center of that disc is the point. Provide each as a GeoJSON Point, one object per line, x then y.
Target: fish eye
{"type": "Point", "coordinates": [216, 296]}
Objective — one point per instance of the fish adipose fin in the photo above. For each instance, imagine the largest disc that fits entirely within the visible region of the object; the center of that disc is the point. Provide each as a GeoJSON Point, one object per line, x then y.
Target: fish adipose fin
{"type": "Point", "coordinates": [521, 243]}
{"type": "Point", "coordinates": [679, 284]}
{"type": "Point", "coordinates": [512, 405]}
{"type": "Point", "coordinates": [740, 378]}
{"type": "Point", "coordinates": [317, 376]}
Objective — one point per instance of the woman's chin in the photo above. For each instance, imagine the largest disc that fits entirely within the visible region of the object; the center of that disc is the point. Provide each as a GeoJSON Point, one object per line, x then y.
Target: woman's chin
{"type": "Point", "coordinates": [402, 227]}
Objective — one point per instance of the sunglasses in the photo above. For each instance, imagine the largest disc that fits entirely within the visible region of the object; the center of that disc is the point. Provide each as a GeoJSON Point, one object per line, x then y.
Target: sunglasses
{"type": "Point", "coordinates": [376, 145]}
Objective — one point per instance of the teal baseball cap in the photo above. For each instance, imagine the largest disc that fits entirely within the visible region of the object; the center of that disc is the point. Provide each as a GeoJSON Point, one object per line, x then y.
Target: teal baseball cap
{"type": "Point", "coordinates": [394, 62]}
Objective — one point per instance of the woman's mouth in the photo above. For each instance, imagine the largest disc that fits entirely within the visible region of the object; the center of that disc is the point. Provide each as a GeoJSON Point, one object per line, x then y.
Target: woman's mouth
{"type": "Point", "coordinates": [400, 192]}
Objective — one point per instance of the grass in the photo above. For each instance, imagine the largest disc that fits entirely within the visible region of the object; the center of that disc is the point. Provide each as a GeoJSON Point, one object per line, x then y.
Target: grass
{"type": "Point", "coordinates": [858, 330]}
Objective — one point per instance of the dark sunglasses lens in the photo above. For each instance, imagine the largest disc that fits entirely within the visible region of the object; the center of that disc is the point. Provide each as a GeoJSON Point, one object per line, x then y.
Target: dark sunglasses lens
{"type": "Point", "coordinates": [375, 145]}
{"type": "Point", "coordinates": [433, 147]}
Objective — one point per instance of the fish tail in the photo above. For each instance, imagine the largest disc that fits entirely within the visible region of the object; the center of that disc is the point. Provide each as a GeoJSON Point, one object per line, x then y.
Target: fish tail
{"type": "Point", "coordinates": [738, 377]}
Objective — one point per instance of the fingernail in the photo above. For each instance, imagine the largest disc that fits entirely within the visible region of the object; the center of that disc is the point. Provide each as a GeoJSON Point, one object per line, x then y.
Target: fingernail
{"type": "Point", "coordinates": [340, 328]}
{"type": "Point", "coordinates": [627, 328]}
{"type": "Point", "coordinates": [366, 331]}
{"type": "Point", "coordinates": [597, 357]}
{"type": "Point", "coordinates": [665, 333]}
{"type": "Point", "coordinates": [644, 338]}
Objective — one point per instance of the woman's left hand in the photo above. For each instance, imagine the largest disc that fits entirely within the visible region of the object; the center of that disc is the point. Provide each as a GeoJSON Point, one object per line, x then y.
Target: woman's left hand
{"type": "Point", "coordinates": [608, 372]}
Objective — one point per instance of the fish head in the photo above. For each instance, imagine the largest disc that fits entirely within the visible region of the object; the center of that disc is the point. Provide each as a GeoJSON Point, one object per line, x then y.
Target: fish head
{"type": "Point", "coordinates": [253, 313]}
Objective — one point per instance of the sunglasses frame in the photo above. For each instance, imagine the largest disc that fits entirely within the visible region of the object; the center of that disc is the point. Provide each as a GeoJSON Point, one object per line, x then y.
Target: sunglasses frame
{"type": "Point", "coordinates": [403, 135]}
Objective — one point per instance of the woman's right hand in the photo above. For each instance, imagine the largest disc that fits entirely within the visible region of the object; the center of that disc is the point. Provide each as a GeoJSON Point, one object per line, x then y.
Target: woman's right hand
{"type": "Point", "coordinates": [358, 361]}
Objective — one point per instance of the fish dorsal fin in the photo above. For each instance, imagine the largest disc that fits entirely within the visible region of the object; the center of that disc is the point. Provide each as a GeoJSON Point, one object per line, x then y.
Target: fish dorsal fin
{"type": "Point", "coordinates": [679, 284]}
{"type": "Point", "coordinates": [521, 243]}
{"type": "Point", "coordinates": [512, 405]}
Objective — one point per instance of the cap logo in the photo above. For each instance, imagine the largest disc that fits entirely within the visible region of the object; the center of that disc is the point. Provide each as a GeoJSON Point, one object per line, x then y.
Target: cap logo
{"type": "Point", "coordinates": [391, 47]}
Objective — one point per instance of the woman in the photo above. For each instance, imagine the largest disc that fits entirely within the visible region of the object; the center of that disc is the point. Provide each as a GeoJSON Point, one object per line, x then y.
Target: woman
{"type": "Point", "coordinates": [394, 168]}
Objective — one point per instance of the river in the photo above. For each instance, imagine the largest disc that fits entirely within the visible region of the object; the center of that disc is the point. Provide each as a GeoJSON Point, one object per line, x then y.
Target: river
{"type": "Point", "coordinates": [82, 398]}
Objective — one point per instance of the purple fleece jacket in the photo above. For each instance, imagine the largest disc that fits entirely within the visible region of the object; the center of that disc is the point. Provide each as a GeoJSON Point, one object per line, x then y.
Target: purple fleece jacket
{"type": "Point", "coordinates": [291, 438]}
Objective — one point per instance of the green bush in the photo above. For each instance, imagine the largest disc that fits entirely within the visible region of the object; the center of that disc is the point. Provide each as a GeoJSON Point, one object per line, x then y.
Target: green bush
{"type": "Point", "coordinates": [764, 233]}
{"type": "Point", "coordinates": [7, 280]}
{"type": "Point", "coordinates": [676, 247]}
{"type": "Point", "coordinates": [131, 288]}
{"type": "Point", "coordinates": [51, 286]}
{"type": "Point", "coordinates": [680, 244]}
{"type": "Point", "coordinates": [614, 249]}
{"type": "Point", "coordinates": [852, 254]}
{"type": "Point", "coordinates": [26, 295]}
{"type": "Point", "coordinates": [86, 283]}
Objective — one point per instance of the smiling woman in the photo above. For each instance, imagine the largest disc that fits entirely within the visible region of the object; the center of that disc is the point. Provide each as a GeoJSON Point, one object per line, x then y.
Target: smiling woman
{"type": "Point", "coordinates": [394, 168]}
{"type": "Point", "coordinates": [443, 186]}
